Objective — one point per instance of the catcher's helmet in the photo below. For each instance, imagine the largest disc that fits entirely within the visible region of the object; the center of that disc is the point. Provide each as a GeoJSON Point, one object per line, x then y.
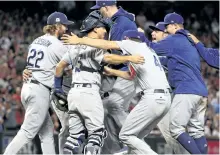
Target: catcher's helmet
{"type": "Point", "coordinates": [94, 20]}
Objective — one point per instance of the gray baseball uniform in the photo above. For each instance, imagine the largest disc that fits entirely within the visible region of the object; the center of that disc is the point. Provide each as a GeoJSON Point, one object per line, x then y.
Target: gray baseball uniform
{"type": "Point", "coordinates": [84, 100]}
{"type": "Point", "coordinates": [44, 53]}
{"type": "Point", "coordinates": [154, 103]}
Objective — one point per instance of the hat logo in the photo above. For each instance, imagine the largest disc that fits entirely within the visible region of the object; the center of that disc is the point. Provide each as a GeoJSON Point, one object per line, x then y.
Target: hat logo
{"type": "Point", "coordinates": [103, 3]}
{"type": "Point", "coordinates": [57, 19]}
{"type": "Point", "coordinates": [172, 21]}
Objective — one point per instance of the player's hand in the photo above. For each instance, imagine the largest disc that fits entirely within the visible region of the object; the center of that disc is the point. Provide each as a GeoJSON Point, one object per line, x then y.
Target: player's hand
{"type": "Point", "coordinates": [193, 38]}
{"type": "Point", "coordinates": [137, 59]}
{"type": "Point", "coordinates": [26, 75]}
{"type": "Point", "coordinates": [107, 71]}
{"type": "Point", "coordinates": [70, 39]}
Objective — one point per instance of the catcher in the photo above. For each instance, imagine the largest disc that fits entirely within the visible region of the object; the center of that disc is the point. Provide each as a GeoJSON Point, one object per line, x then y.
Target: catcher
{"type": "Point", "coordinates": [84, 100]}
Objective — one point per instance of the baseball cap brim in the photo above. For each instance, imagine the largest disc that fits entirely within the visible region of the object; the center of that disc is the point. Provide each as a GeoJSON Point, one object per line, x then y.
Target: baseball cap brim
{"type": "Point", "coordinates": [95, 7]}
{"type": "Point", "coordinates": [164, 23]}
{"type": "Point", "coordinates": [155, 28]}
{"type": "Point", "coordinates": [68, 22]}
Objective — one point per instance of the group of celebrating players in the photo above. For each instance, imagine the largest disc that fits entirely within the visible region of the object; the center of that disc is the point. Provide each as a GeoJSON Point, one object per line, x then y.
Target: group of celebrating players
{"type": "Point", "coordinates": [105, 75]}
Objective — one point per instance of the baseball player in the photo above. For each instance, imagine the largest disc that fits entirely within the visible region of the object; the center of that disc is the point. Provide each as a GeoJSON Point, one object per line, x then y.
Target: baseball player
{"type": "Point", "coordinates": [120, 91]}
{"type": "Point", "coordinates": [158, 34]}
{"type": "Point", "coordinates": [184, 75]}
{"type": "Point", "coordinates": [84, 100]}
{"type": "Point", "coordinates": [60, 110]}
{"type": "Point", "coordinates": [43, 55]}
{"type": "Point", "coordinates": [151, 79]}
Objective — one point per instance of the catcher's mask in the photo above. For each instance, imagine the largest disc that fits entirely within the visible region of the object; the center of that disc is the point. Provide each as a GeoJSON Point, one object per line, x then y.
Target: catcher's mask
{"type": "Point", "coordinates": [94, 20]}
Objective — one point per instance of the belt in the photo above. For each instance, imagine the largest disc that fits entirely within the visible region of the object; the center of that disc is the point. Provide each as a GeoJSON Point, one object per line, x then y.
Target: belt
{"type": "Point", "coordinates": [158, 91]}
{"type": "Point", "coordinates": [37, 82]}
{"type": "Point", "coordinates": [78, 85]}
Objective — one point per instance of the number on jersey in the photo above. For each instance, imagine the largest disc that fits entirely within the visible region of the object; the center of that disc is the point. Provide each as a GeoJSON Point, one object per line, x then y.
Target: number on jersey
{"type": "Point", "coordinates": [34, 58]}
{"type": "Point", "coordinates": [157, 63]}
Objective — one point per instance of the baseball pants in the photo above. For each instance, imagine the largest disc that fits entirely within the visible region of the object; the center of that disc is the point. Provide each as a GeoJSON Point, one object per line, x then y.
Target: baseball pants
{"type": "Point", "coordinates": [187, 112]}
{"type": "Point", "coordinates": [86, 113]}
{"type": "Point", "coordinates": [164, 128]}
{"type": "Point", "coordinates": [142, 119]}
{"type": "Point", "coordinates": [116, 106]}
{"type": "Point", "coordinates": [35, 99]}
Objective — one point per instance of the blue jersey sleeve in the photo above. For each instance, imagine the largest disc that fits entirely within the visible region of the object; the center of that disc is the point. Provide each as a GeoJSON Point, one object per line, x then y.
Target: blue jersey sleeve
{"type": "Point", "coordinates": [162, 48]}
{"type": "Point", "coordinates": [210, 55]}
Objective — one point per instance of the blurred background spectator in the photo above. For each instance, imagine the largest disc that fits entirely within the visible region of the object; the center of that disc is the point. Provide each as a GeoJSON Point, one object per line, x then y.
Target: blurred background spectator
{"type": "Point", "coordinates": [21, 23]}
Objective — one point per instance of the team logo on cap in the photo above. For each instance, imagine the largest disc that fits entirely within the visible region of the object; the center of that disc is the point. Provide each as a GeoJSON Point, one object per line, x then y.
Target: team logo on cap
{"type": "Point", "coordinates": [57, 19]}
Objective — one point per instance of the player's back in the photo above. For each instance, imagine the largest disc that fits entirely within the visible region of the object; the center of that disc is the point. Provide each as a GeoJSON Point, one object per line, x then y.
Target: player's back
{"type": "Point", "coordinates": [44, 53]}
{"type": "Point", "coordinates": [151, 74]}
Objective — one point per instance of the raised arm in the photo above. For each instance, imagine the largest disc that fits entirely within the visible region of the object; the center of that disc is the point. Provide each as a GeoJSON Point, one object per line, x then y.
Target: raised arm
{"type": "Point", "coordinates": [210, 55]}
{"type": "Point", "coordinates": [117, 59]}
{"type": "Point", "coordinates": [98, 43]}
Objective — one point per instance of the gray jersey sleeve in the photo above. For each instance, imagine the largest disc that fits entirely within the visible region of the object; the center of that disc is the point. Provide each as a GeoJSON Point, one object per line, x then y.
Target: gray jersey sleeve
{"type": "Point", "coordinates": [128, 46]}
{"type": "Point", "coordinates": [70, 56]}
{"type": "Point", "coordinates": [99, 55]}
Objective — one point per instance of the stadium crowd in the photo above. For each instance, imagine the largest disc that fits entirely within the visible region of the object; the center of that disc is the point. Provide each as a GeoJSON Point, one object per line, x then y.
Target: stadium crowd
{"type": "Point", "coordinates": [17, 30]}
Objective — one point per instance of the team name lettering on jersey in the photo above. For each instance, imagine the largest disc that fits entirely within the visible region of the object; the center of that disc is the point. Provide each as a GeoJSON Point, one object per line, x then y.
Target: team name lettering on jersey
{"type": "Point", "coordinates": [43, 42]}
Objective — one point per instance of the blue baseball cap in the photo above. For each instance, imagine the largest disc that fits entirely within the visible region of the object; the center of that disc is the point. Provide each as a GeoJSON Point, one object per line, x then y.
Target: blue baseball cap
{"type": "Point", "coordinates": [173, 18]}
{"type": "Point", "coordinates": [102, 3]}
{"type": "Point", "coordinates": [159, 27]}
{"type": "Point", "coordinates": [133, 34]}
{"type": "Point", "coordinates": [58, 17]}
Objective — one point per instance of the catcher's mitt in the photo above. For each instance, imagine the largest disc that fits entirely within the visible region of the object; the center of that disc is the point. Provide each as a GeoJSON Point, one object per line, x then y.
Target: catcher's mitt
{"type": "Point", "coordinates": [60, 101]}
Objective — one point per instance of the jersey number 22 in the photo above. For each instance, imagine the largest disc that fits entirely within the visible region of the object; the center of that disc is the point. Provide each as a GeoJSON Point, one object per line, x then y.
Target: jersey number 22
{"type": "Point", "coordinates": [32, 61]}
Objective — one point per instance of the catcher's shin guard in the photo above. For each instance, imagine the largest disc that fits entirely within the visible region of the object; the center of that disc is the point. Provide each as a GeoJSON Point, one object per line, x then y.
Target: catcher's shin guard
{"type": "Point", "coordinates": [95, 142]}
{"type": "Point", "coordinates": [74, 143]}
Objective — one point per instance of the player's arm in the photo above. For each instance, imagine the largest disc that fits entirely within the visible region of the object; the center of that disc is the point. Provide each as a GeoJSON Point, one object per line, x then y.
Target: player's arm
{"type": "Point", "coordinates": [98, 43]}
{"type": "Point", "coordinates": [113, 72]}
{"type": "Point", "coordinates": [117, 59]}
{"type": "Point", "coordinates": [210, 55]}
{"type": "Point", "coordinates": [58, 79]}
{"type": "Point", "coordinates": [162, 48]}
{"type": "Point", "coordinates": [60, 68]}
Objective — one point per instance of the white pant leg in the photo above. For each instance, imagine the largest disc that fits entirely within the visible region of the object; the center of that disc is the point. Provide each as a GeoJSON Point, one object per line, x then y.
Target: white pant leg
{"type": "Point", "coordinates": [195, 126]}
{"type": "Point", "coordinates": [163, 125]}
{"type": "Point", "coordinates": [35, 99]}
{"type": "Point", "coordinates": [183, 108]}
{"type": "Point", "coordinates": [46, 136]}
{"type": "Point", "coordinates": [142, 119]}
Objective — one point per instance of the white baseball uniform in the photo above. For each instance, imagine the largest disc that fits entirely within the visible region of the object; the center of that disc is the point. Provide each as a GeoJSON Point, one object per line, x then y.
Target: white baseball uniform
{"type": "Point", "coordinates": [44, 53]}
{"type": "Point", "coordinates": [155, 101]}
{"type": "Point", "coordinates": [84, 100]}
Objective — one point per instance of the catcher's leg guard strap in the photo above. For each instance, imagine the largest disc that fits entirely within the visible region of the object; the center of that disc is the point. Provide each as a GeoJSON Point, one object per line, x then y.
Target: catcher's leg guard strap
{"type": "Point", "coordinates": [97, 137]}
{"type": "Point", "coordinates": [73, 143]}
